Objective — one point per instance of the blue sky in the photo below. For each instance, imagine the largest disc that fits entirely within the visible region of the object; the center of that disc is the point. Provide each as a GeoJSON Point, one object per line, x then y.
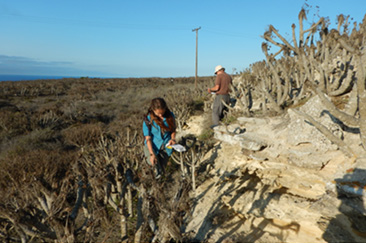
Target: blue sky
{"type": "Point", "coordinates": [146, 38]}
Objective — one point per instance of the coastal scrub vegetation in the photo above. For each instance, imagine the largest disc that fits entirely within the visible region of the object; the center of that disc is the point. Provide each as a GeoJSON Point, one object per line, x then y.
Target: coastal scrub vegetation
{"type": "Point", "coordinates": [71, 149]}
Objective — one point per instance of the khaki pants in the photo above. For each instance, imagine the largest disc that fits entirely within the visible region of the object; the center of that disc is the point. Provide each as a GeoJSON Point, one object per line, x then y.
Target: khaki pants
{"type": "Point", "coordinates": [218, 108]}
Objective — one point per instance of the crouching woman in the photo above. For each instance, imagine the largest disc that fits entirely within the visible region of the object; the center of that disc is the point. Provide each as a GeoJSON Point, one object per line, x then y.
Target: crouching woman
{"type": "Point", "coordinates": [159, 129]}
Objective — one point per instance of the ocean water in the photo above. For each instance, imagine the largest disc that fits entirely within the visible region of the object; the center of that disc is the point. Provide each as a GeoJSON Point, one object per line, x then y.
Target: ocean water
{"type": "Point", "coordinates": [5, 77]}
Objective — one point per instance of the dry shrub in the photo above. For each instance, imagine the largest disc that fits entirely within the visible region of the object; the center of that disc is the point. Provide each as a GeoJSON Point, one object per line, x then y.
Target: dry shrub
{"type": "Point", "coordinates": [81, 135]}
{"type": "Point", "coordinates": [38, 189]}
{"type": "Point", "coordinates": [37, 139]}
{"type": "Point", "coordinates": [49, 118]}
{"type": "Point", "coordinates": [13, 123]}
{"type": "Point", "coordinates": [22, 170]}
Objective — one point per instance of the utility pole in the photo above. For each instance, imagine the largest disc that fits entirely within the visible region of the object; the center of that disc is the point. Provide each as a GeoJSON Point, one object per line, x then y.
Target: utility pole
{"type": "Point", "coordinates": [195, 81]}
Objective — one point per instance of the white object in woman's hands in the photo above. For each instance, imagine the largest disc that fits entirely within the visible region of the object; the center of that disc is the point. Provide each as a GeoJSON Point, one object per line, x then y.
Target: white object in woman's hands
{"type": "Point", "coordinates": [176, 147]}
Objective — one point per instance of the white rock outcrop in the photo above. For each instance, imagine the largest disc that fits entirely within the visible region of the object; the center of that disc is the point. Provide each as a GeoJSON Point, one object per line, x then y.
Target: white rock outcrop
{"type": "Point", "coordinates": [280, 180]}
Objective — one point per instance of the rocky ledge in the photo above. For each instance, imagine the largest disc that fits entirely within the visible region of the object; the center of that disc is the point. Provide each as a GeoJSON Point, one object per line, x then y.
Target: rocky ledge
{"type": "Point", "coordinates": [279, 179]}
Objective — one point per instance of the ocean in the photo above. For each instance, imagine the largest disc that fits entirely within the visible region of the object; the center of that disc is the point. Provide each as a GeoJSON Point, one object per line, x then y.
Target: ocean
{"type": "Point", "coordinates": [5, 77]}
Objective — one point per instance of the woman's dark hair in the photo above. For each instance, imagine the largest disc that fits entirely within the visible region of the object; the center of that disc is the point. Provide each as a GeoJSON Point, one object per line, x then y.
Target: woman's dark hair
{"type": "Point", "coordinates": [159, 103]}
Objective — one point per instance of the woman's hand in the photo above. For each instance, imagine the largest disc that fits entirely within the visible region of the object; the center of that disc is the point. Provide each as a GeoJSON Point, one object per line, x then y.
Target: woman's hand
{"type": "Point", "coordinates": [152, 159]}
{"type": "Point", "coordinates": [172, 142]}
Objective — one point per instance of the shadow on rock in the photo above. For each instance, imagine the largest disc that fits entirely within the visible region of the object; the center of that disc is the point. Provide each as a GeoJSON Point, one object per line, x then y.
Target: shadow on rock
{"type": "Point", "coordinates": [350, 224]}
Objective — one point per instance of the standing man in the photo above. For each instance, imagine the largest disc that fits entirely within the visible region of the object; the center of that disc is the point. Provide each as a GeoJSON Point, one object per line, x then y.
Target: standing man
{"type": "Point", "coordinates": [221, 90]}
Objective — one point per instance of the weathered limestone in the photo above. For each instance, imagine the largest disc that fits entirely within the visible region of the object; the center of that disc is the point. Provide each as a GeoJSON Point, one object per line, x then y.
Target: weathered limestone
{"type": "Point", "coordinates": [271, 199]}
{"type": "Point", "coordinates": [243, 140]}
{"type": "Point", "coordinates": [301, 131]}
{"type": "Point", "coordinates": [280, 179]}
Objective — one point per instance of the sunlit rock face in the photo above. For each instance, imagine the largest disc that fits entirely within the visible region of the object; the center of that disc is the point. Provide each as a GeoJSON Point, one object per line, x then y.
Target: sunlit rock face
{"type": "Point", "coordinates": [279, 179]}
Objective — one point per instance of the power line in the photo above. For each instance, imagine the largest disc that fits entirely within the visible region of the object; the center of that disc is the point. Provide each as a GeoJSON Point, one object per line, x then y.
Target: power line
{"type": "Point", "coordinates": [62, 21]}
{"type": "Point", "coordinates": [232, 34]}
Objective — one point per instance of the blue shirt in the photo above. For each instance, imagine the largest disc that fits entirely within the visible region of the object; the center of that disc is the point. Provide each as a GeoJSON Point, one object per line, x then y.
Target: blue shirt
{"type": "Point", "coordinates": [158, 139]}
